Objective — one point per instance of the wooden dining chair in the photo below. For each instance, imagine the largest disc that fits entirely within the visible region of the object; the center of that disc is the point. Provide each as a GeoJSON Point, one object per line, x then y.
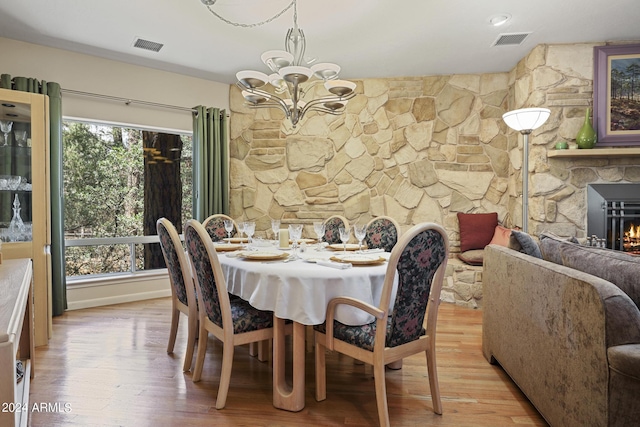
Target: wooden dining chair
{"type": "Point", "coordinates": [183, 294]}
{"type": "Point", "coordinates": [331, 226]}
{"type": "Point", "coordinates": [419, 259]}
{"type": "Point", "coordinates": [382, 232]}
{"type": "Point", "coordinates": [214, 225]}
{"type": "Point", "coordinates": [232, 320]}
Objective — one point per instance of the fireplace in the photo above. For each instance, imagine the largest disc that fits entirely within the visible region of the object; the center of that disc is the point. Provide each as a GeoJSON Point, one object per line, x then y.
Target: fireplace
{"type": "Point", "coordinates": [614, 215]}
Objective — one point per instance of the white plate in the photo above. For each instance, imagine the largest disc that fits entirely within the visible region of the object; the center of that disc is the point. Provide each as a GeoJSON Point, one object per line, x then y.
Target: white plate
{"type": "Point", "coordinates": [340, 247]}
{"type": "Point", "coordinates": [226, 247]}
{"type": "Point", "coordinates": [236, 239]}
{"type": "Point", "coordinates": [263, 255]}
{"type": "Point", "coordinates": [358, 259]}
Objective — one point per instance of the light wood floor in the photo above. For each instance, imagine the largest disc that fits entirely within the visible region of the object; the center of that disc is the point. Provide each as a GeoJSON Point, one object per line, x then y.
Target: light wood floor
{"type": "Point", "coordinates": [109, 366]}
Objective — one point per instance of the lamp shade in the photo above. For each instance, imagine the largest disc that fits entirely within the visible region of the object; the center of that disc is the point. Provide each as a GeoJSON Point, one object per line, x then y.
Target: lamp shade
{"type": "Point", "coordinates": [526, 119]}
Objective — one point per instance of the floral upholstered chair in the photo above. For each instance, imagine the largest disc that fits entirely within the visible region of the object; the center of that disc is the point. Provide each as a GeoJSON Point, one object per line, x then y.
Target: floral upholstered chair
{"type": "Point", "coordinates": [382, 232]}
{"type": "Point", "coordinates": [331, 227]}
{"type": "Point", "coordinates": [419, 259]}
{"type": "Point", "coordinates": [215, 227]}
{"type": "Point", "coordinates": [232, 321]}
{"type": "Point", "coordinates": [183, 293]}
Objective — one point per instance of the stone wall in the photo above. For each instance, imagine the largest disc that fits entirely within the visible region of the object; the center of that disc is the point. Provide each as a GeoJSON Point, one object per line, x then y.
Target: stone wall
{"type": "Point", "coordinates": [417, 149]}
{"type": "Point", "coordinates": [559, 77]}
{"type": "Point", "coordinates": [424, 148]}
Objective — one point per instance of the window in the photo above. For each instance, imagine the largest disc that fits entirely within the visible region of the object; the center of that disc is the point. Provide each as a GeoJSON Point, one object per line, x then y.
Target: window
{"type": "Point", "coordinates": [117, 182]}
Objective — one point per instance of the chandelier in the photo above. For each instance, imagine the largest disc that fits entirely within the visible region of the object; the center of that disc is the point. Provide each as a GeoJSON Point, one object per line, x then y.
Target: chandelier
{"type": "Point", "coordinates": [292, 77]}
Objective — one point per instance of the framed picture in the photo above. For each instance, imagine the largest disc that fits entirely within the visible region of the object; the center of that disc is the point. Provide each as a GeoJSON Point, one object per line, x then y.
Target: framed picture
{"type": "Point", "coordinates": [616, 94]}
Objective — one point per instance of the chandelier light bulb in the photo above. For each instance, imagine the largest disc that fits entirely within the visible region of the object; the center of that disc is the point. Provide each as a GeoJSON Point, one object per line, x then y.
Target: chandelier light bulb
{"type": "Point", "coordinates": [325, 70]}
{"type": "Point", "coordinates": [340, 87]}
{"type": "Point", "coordinates": [252, 79]}
{"type": "Point", "coordinates": [277, 59]}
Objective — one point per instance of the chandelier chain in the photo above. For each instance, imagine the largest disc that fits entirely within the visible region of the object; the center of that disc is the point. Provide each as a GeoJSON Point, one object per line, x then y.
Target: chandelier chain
{"type": "Point", "coordinates": [293, 4]}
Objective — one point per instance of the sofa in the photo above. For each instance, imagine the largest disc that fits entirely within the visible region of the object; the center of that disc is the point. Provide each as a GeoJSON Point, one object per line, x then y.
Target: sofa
{"type": "Point", "coordinates": [566, 329]}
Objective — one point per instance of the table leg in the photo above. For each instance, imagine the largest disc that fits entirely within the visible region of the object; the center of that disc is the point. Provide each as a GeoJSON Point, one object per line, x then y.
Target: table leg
{"type": "Point", "coordinates": [285, 396]}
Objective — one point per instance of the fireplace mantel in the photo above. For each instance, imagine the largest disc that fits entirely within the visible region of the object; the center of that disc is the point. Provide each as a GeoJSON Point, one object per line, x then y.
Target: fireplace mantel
{"type": "Point", "coordinates": [596, 152]}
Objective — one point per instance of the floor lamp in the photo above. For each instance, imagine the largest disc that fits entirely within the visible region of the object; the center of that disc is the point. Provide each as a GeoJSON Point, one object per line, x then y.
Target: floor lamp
{"type": "Point", "coordinates": [525, 121]}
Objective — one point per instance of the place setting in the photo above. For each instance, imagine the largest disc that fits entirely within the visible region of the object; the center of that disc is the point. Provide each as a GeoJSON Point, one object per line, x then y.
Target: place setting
{"type": "Point", "coordinates": [358, 259]}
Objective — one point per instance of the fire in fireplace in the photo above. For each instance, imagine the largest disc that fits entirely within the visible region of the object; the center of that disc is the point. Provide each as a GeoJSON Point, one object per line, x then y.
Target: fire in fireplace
{"type": "Point", "coordinates": [614, 215]}
{"type": "Point", "coordinates": [631, 239]}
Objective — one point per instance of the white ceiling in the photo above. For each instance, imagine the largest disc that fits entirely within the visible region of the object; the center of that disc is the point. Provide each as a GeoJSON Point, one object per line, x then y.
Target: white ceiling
{"type": "Point", "coordinates": [367, 38]}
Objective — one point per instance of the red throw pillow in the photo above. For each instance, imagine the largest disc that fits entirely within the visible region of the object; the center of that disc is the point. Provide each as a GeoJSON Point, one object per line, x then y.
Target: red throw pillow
{"type": "Point", "coordinates": [476, 229]}
{"type": "Point", "coordinates": [501, 236]}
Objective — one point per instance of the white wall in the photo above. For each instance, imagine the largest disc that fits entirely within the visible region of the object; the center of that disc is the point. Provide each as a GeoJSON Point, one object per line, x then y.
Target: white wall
{"type": "Point", "coordinates": [87, 73]}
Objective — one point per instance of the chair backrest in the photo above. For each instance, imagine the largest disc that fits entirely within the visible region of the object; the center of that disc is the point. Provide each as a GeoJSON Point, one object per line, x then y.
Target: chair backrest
{"type": "Point", "coordinates": [420, 260]}
{"type": "Point", "coordinates": [176, 260]}
{"type": "Point", "coordinates": [215, 226]}
{"type": "Point", "coordinates": [331, 226]}
{"type": "Point", "coordinates": [208, 276]}
{"type": "Point", "coordinates": [382, 232]}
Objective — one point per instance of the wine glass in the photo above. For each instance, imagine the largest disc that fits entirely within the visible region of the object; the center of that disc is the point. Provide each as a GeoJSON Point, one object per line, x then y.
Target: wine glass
{"type": "Point", "coordinates": [360, 231]}
{"type": "Point", "coordinates": [250, 229]}
{"type": "Point", "coordinates": [21, 137]}
{"type": "Point", "coordinates": [345, 233]}
{"type": "Point", "coordinates": [318, 227]}
{"type": "Point", "coordinates": [5, 128]}
{"type": "Point", "coordinates": [295, 233]}
{"type": "Point", "coordinates": [241, 225]}
{"type": "Point", "coordinates": [228, 226]}
{"type": "Point", "coordinates": [275, 227]}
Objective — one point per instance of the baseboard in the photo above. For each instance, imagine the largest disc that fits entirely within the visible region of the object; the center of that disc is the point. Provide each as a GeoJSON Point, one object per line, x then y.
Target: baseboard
{"type": "Point", "coordinates": [117, 292]}
{"type": "Point", "coordinates": [118, 299]}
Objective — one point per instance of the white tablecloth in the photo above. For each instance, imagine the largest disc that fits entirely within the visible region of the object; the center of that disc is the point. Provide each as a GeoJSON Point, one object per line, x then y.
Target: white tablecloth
{"type": "Point", "coordinates": [300, 290]}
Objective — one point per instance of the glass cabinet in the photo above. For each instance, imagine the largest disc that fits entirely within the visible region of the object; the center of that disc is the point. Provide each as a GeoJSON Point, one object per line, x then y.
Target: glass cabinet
{"type": "Point", "coordinates": [24, 193]}
{"type": "Point", "coordinates": [16, 178]}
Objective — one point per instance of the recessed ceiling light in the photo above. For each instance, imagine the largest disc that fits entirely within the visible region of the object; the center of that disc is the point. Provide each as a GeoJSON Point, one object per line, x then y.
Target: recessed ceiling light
{"type": "Point", "coordinates": [500, 19]}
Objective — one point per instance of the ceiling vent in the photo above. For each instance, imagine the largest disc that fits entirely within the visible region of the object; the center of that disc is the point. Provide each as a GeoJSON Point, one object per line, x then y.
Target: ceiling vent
{"type": "Point", "coordinates": [147, 45]}
{"type": "Point", "coordinates": [510, 39]}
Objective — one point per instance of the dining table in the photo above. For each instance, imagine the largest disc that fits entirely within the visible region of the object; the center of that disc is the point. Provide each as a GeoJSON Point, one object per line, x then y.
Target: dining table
{"type": "Point", "coordinates": [299, 291]}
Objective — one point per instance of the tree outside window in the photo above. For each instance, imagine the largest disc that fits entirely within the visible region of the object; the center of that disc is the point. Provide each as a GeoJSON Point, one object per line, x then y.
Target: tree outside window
{"type": "Point", "coordinates": [117, 182]}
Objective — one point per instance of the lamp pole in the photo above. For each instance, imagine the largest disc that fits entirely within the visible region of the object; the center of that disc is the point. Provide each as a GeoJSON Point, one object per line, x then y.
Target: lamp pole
{"type": "Point", "coordinates": [525, 180]}
{"type": "Point", "coordinates": [525, 121]}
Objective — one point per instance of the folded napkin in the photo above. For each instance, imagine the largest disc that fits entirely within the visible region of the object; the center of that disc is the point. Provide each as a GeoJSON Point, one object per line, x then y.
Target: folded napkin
{"type": "Point", "coordinates": [332, 264]}
{"type": "Point", "coordinates": [373, 251]}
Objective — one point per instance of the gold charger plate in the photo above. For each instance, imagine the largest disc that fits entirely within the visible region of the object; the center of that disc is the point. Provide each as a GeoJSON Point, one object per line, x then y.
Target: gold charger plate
{"type": "Point", "coordinates": [236, 239]}
{"type": "Point", "coordinates": [263, 255]}
{"type": "Point", "coordinates": [340, 247]}
{"type": "Point", "coordinates": [304, 241]}
{"type": "Point", "coordinates": [357, 259]}
{"type": "Point", "coordinates": [226, 247]}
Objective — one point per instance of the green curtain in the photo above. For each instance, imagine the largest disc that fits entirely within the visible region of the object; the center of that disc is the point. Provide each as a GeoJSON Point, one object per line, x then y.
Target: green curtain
{"type": "Point", "coordinates": [58, 284]}
{"type": "Point", "coordinates": [210, 167]}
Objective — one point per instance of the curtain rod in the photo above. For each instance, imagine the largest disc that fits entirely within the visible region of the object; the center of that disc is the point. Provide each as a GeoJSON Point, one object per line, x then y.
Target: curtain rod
{"type": "Point", "coordinates": [128, 101]}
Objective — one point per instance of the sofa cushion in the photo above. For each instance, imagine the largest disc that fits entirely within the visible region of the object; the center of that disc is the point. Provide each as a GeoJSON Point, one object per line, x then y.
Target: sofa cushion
{"type": "Point", "coordinates": [476, 229]}
{"type": "Point", "coordinates": [551, 246]}
{"type": "Point", "coordinates": [621, 269]}
{"type": "Point", "coordinates": [472, 257]}
{"type": "Point", "coordinates": [522, 242]}
{"type": "Point", "coordinates": [625, 359]}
